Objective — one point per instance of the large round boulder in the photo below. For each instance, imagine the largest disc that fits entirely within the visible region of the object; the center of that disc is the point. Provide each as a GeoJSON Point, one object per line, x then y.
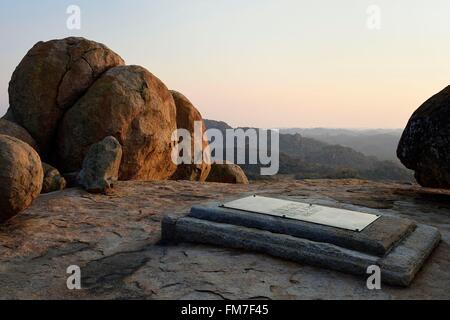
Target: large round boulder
{"type": "Point", "coordinates": [135, 107]}
{"type": "Point", "coordinates": [14, 130]}
{"type": "Point", "coordinates": [21, 176]}
{"type": "Point", "coordinates": [188, 117]}
{"type": "Point", "coordinates": [425, 144]}
{"type": "Point", "coordinates": [227, 173]}
{"type": "Point", "coordinates": [50, 78]}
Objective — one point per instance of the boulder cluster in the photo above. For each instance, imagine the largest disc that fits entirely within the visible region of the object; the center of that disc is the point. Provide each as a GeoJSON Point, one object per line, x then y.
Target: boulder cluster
{"type": "Point", "coordinates": [79, 115]}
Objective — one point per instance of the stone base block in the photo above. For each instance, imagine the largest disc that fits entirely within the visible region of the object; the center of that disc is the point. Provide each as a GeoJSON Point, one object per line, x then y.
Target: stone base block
{"type": "Point", "coordinates": [377, 239]}
{"type": "Point", "coordinates": [398, 266]}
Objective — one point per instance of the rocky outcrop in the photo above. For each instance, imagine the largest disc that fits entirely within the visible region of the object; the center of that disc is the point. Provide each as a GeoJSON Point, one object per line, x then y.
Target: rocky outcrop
{"type": "Point", "coordinates": [101, 166]}
{"type": "Point", "coordinates": [71, 93]}
{"type": "Point", "coordinates": [227, 173]}
{"type": "Point", "coordinates": [14, 130]}
{"type": "Point", "coordinates": [425, 143]}
{"type": "Point", "coordinates": [49, 80]}
{"type": "Point", "coordinates": [21, 176]}
{"type": "Point", "coordinates": [187, 117]}
{"type": "Point", "coordinates": [53, 180]}
{"type": "Point", "coordinates": [136, 108]}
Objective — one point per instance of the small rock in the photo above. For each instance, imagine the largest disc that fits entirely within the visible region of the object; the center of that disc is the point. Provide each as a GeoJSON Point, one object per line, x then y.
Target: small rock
{"type": "Point", "coordinates": [21, 176]}
{"type": "Point", "coordinates": [227, 173]}
{"type": "Point", "coordinates": [101, 166]}
{"type": "Point", "coordinates": [53, 181]}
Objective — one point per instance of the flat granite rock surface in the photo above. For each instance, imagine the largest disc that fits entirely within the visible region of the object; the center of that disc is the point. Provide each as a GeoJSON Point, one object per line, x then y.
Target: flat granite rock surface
{"type": "Point", "coordinates": [115, 241]}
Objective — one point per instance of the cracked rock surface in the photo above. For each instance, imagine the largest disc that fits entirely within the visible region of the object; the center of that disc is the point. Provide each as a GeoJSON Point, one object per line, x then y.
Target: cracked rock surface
{"type": "Point", "coordinates": [114, 239]}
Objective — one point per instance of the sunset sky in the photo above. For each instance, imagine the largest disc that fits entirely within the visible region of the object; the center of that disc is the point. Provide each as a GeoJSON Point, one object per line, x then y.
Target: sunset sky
{"type": "Point", "coordinates": [277, 63]}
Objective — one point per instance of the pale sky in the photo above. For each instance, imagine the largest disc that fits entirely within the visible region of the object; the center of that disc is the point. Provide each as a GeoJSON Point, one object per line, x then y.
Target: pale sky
{"type": "Point", "coordinates": [264, 63]}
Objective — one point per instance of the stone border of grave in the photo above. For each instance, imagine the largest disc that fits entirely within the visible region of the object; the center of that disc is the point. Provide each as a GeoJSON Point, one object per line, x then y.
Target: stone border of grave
{"type": "Point", "coordinates": [400, 254]}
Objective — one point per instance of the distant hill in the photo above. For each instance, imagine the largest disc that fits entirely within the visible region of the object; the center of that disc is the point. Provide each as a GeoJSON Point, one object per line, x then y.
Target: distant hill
{"type": "Point", "coordinates": [305, 157]}
{"type": "Point", "coordinates": [222, 126]}
{"type": "Point", "coordinates": [381, 143]}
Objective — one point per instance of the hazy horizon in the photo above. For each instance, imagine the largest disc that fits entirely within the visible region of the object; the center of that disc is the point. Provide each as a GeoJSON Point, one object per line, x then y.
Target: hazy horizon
{"type": "Point", "coordinates": [284, 64]}
{"type": "Point", "coordinates": [243, 125]}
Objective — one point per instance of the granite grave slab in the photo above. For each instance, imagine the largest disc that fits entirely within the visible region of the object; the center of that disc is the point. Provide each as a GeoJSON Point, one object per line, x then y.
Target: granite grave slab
{"type": "Point", "coordinates": [398, 246]}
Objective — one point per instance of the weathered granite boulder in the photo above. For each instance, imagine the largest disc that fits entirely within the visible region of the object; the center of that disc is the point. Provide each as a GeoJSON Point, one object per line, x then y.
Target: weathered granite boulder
{"type": "Point", "coordinates": [50, 78]}
{"type": "Point", "coordinates": [187, 117]}
{"type": "Point", "coordinates": [53, 180]}
{"type": "Point", "coordinates": [20, 176]}
{"type": "Point", "coordinates": [425, 143]}
{"type": "Point", "coordinates": [227, 173]}
{"type": "Point", "coordinates": [101, 166]}
{"type": "Point", "coordinates": [14, 130]}
{"type": "Point", "coordinates": [135, 107]}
